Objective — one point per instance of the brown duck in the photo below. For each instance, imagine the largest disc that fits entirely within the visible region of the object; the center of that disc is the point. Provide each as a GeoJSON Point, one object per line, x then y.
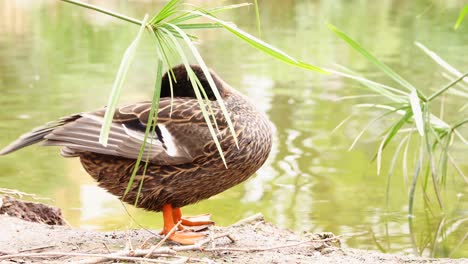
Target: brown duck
{"type": "Point", "coordinates": [184, 165]}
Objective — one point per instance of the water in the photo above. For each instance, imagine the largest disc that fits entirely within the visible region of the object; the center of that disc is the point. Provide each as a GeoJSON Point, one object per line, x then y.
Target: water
{"type": "Point", "coordinates": [56, 59]}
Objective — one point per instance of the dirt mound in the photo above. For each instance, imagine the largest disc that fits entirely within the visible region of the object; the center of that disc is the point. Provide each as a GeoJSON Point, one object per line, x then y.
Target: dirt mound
{"type": "Point", "coordinates": [32, 212]}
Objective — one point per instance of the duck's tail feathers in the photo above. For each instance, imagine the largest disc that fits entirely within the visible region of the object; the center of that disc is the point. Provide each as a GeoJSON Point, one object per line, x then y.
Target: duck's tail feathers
{"type": "Point", "coordinates": [37, 134]}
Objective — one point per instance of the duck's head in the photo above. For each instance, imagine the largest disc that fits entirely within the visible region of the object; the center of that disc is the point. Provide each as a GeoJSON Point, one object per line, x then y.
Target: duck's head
{"type": "Point", "coordinates": [182, 87]}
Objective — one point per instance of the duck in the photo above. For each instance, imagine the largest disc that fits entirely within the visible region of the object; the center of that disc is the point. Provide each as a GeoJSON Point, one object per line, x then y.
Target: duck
{"type": "Point", "coordinates": [181, 164]}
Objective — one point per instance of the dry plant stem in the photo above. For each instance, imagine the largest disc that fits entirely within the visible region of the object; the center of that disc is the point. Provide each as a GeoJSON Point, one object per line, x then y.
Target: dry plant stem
{"type": "Point", "coordinates": [71, 254]}
{"type": "Point", "coordinates": [36, 248]}
{"type": "Point", "coordinates": [153, 248]}
{"type": "Point", "coordinates": [266, 248]}
{"type": "Point", "coordinates": [104, 11]}
{"type": "Point", "coordinates": [129, 249]}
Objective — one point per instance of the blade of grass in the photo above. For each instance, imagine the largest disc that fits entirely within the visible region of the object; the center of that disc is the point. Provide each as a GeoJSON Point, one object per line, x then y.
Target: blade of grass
{"type": "Point", "coordinates": [457, 168]}
{"type": "Point", "coordinates": [465, 106]}
{"type": "Point", "coordinates": [411, 200]}
{"type": "Point", "coordinates": [352, 97]}
{"type": "Point", "coordinates": [151, 123]}
{"type": "Point", "coordinates": [168, 9]}
{"type": "Point", "coordinates": [369, 83]}
{"type": "Point", "coordinates": [392, 168]}
{"type": "Point", "coordinates": [435, 121]}
{"type": "Point", "coordinates": [193, 78]}
{"type": "Point", "coordinates": [461, 137]}
{"type": "Point", "coordinates": [208, 103]}
{"type": "Point", "coordinates": [463, 12]}
{"type": "Point", "coordinates": [448, 86]}
{"type": "Point", "coordinates": [439, 233]}
{"type": "Point", "coordinates": [257, 15]}
{"type": "Point", "coordinates": [368, 125]}
{"type": "Point", "coordinates": [439, 60]}
{"type": "Point", "coordinates": [119, 83]}
{"type": "Point", "coordinates": [393, 131]}
{"type": "Point", "coordinates": [199, 26]}
{"type": "Point", "coordinates": [341, 124]}
{"type": "Point", "coordinates": [405, 161]}
{"type": "Point", "coordinates": [417, 114]}
{"type": "Point", "coordinates": [189, 15]}
{"type": "Point", "coordinates": [396, 77]}
{"type": "Point", "coordinates": [444, 146]}
{"type": "Point", "coordinates": [459, 244]}
{"type": "Point", "coordinates": [154, 118]}
{"type": "Point", "coordinates": [387, 91]}
{"type": "Point", "coordinates": [211, 82]}
{"type": "Point", "coordinates": [263, 46]}
{"type": "Point", "coordinates": [431, 161]}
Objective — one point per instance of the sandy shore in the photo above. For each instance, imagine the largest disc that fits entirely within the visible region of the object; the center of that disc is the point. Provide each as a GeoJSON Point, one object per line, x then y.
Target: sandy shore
{"type": "Point", "coordinates": [252, 240]}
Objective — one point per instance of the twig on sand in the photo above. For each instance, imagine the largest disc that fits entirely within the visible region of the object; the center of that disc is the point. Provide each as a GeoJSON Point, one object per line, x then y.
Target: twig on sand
{"type": "Point", "coordinates": [115, 256]}
{"type": "Point", "coordinates": [254, 249]}
{"type": "Point", "coordinates": [153, 248]}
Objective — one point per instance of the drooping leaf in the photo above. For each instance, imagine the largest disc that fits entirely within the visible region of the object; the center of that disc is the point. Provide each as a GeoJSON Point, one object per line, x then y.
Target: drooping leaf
{"type": "Point", "coordinates": [463, 12]}
{"type": "Point", "coordinates": [387, 70]}
{"type": "Point", "coordinates": [119, 82]}
{"type": "Point", "coordinates": [263, 46]}
{"type": "Point", "coordinates": [417, 114]}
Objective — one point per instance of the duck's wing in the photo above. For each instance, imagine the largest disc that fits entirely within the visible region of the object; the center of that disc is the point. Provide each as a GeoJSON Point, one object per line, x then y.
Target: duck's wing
{"type": "Point", "coordinates": [178, 138]}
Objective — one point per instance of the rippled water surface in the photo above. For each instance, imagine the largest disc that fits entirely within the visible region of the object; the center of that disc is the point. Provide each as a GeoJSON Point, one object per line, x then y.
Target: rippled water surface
{"type": "Point", "coordinates": [56, 59]}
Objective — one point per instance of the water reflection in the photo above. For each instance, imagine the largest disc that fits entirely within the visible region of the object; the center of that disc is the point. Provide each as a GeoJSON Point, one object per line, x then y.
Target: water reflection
{"type": "Point", "coordinates": [56, 59]}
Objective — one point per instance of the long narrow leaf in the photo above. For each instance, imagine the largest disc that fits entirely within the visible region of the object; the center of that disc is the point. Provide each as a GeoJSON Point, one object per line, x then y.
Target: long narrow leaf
{"type": "Point", "coordinates": [387, 91]}
{"type": "Point", "coordinates": [119, 83]}
{"type": "Point", "coordinates": [417, 114]}
{"type": "Point", "coordinates": [211, 82]}
{"type": "Point", "coordinates": [460, 18]}
{"type": "Point", "coordinates": [151, 123]}
{"type": "Point", "coordinates": [430, 158]}
{"type": "Point", "coordinates": [369, 83]}
{"type": "Point", "coordinates": [263, 46]}
{"type": "Point", "coordinates": [395, 76]}
{"type": "Point", "coordinates": [168, 9]}
{"type": "Point", "coordinates": [192, 78]}
{"type": "Point", "coordinates": [404, 162]}
{"type": "Point", "coordinates": [257, 15]}
{"type": "Point", "coordinates": [199, 26]}
{"type": "Point", "coordinates": [189, 15]}
{"type": "Point", "coordinates": [393, 131]}
{"type": "Point", "coordinates": [448, 86]}
{"type": "Point", "coordinates": [440, 61]}
{"type": "Point", "coordinates": [369, 124]}
{"type": "Point", "coordinates": [392, 168]}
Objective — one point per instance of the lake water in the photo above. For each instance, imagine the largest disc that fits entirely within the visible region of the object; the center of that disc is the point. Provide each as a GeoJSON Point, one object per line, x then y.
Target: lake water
{"type": "Point", "coordinates": [57, 59]}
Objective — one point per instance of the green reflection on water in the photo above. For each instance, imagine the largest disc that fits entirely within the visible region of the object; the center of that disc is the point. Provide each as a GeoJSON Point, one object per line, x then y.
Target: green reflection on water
{"type": "Point", "coordinates": [56, 59]}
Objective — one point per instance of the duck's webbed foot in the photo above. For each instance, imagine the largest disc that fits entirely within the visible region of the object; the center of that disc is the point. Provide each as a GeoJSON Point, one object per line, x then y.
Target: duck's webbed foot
{"type": "Point", "coordinates": [172, 216]}
{"type": "Point", "coordinates": [193, 221]}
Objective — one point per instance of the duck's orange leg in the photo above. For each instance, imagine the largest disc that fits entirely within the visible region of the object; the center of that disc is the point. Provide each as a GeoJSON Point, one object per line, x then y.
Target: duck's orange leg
{"type": "Point", "coordinates": [182, 237]}
{"type": "Point", "coordinates": [198, 220]}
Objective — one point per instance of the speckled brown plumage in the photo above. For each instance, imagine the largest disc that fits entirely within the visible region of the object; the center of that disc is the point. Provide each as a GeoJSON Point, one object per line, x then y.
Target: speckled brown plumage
{"type": "Point", "coordinates": [187, 172]}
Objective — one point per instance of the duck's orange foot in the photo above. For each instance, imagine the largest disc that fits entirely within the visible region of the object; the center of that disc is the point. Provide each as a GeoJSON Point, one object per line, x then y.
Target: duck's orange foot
{"type": "Point", "coordinates": [198, 220]}
{"type": "Point", "coordinates": [172, 216]}
{"type": "Point", "coordinates": [185, 238]}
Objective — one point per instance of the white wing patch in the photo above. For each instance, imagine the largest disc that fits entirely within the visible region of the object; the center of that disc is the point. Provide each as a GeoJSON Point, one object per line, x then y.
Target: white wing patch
{"type": "Point", "coordinates": [168, 140]}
